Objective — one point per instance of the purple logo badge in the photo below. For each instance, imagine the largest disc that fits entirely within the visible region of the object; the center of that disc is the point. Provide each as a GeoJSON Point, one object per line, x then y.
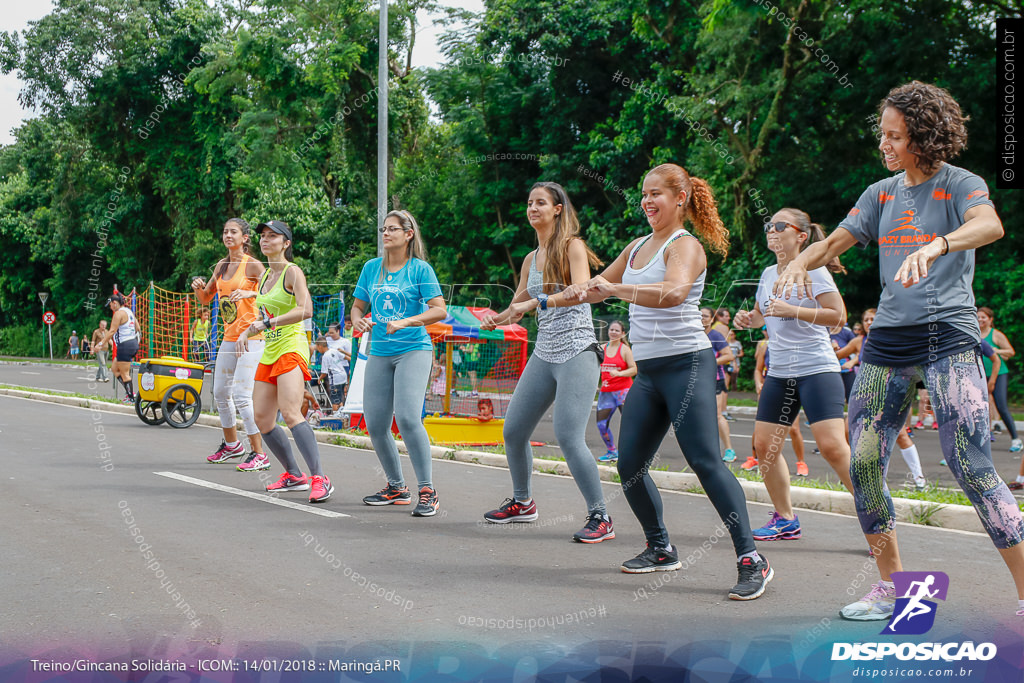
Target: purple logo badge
{"type": "Point", "coordinates": [914, 612]}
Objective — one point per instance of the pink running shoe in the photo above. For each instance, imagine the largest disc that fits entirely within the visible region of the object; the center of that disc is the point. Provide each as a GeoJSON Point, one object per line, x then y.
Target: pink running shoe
{"type": "Point", "coordinates": [287, 482]}
{"type": "Point", "coordinates": [321, 488]}
{"type": "Point", "coordinates": [255, 461]}
{"type": "Point", "coordinates": [225, 453]}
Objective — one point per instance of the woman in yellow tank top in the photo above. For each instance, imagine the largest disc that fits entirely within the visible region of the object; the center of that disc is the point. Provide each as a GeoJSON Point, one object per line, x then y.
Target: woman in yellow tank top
{"type": "Point", "coordinates": [235, 279]}
{"type": "Point", "coordinates": [283, 302]}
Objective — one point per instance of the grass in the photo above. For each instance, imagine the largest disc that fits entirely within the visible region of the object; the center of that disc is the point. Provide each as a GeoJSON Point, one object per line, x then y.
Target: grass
{"type": "Point", "coordinates": [924, 515]}
{"type": "Point", "coordinates": [47, 361]}
{"type": "Point", "coordinates": [931, 494]}
{"type": "Point", "coordinates": [54, 392]}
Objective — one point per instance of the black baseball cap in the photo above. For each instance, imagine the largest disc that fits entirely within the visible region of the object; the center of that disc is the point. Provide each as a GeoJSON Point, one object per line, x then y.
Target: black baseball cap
{"type": "Point", "coordinates": [280, 227]}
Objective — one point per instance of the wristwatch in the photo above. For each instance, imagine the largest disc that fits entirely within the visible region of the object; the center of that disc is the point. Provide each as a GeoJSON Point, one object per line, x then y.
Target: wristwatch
{"type": "Point", "coordinates": [542, 298]}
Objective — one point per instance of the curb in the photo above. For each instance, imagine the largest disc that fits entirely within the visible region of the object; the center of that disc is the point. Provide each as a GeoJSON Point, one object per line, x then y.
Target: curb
{"type": "Point", "coordinates": [946, 516]}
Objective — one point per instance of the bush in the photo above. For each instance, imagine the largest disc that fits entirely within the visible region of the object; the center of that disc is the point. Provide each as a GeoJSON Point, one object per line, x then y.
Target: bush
{"type": "Point", "coordinates": [25, 340]}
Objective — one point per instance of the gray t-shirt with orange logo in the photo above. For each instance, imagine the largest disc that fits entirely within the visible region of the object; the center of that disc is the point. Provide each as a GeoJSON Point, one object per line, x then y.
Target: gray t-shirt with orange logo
{"type": "Point", "coordinates": [901, 220]}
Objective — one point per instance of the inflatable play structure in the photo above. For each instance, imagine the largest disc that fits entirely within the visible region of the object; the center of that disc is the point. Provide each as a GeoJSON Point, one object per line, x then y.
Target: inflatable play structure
{"type": "Point", "coordinates": [475, 372]}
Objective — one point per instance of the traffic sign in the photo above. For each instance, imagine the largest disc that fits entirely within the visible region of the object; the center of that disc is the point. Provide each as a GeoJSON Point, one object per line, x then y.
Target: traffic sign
{"type": "Point", "coordinates": [49, 318]}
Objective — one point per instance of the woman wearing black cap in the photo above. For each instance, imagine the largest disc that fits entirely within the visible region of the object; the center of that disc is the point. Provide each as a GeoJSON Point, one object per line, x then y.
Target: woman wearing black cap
{"type": "Point", "coordinates": [282, 303]}
{"type": "Point", "coordinates": [125, 331]}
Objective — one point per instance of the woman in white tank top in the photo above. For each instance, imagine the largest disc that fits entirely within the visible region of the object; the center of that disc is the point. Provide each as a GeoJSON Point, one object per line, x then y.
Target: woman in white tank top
{"type": "Point", "coordinates": [662, 277]}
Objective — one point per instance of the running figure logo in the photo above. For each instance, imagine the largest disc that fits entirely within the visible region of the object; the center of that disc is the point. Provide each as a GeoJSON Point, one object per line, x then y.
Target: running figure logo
{"type": "Point", "coordinates": [914, 613]}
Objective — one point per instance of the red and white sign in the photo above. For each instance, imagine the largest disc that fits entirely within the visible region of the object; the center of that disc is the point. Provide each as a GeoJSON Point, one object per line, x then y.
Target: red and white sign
{"type": "Point", "coordinates": [49, 318]}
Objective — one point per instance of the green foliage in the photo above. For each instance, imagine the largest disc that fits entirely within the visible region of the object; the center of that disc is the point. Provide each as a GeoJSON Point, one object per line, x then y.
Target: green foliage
{"type": "Point", "coordinates": [162, 118]}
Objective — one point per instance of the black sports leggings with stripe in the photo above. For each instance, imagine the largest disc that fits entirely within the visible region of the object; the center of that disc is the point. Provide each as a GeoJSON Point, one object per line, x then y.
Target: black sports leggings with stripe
{"type": "Point", "coordinates": [678, 391]}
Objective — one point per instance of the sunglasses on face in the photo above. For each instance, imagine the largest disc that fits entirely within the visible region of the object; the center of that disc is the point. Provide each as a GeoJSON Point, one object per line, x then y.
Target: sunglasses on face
{"type": "Point", "coordinates": [391, 229]}
{"type": "Point", "coordinates": [779, 226]}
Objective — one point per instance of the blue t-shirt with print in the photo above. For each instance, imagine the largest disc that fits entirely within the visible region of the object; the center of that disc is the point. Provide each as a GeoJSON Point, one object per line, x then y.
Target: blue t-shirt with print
{"type": "Point", "coordinates": [393, 296]}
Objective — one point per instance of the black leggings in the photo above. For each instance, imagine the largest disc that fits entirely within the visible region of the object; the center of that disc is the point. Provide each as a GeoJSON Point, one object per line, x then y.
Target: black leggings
{"type": "Point", "coordinates": [678, 391]}
{"type": "Point", "coordinates": [999, 394]}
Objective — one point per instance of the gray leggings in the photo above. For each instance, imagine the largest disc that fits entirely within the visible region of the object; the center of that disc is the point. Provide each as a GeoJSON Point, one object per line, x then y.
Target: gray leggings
{"type": "Point", "coordinates": [395, 386]}
{"type": "Point", "coordinates": [571, 386]}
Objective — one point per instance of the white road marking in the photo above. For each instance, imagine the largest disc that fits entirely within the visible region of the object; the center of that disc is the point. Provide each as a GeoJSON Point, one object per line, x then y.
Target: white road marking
{"type": "Point", "coordinates": [266, 498]}
{"type": "Point", "coordinates": [26, 372]}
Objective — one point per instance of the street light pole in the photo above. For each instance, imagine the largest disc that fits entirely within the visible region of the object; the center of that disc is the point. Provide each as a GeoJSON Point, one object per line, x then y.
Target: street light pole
{"type": "Point", "coordinates": [382, 126]}
{"type": "Point", "coordinates": [43, 296]}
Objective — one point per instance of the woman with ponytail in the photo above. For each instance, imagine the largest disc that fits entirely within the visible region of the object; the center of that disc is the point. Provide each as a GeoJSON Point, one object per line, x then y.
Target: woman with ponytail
{"type": "Point", "coordinates": [402, 291]}
{"type": "Point", "coordinates": [661, 275]}
{"type": "Point", "coordinates": [235, 279]}
{"type": "Point", "coordinates": [804, 371]}
{"type": "Point", "coordinates": [564, 366]}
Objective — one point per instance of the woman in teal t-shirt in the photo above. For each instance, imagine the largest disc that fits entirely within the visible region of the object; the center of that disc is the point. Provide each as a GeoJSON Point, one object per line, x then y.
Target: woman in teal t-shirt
{"type": "Point", "coordinates": [402, 292]}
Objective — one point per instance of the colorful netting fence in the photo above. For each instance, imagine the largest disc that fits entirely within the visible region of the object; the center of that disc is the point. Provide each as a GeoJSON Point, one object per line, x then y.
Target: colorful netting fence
{"type": "Point", "coordinates": [169, 321]}
{"type": "Point", "coordinates": [475, 371]}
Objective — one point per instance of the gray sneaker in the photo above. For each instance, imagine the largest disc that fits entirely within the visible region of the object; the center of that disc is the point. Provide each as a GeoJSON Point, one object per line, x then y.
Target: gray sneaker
{"type": "Point", "coordinates": [427, 507]}
{"type": "Point", "coordinates": [878, 604]}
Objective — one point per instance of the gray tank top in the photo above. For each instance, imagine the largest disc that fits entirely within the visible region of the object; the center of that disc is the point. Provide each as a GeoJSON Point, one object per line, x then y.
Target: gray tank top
{"type": "Point", "coordinates": [562, 333]}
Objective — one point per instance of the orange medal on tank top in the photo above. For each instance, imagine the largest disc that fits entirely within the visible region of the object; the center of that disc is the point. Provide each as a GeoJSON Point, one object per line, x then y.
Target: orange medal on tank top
{"type": "Point", "coordinates": [236, 316]}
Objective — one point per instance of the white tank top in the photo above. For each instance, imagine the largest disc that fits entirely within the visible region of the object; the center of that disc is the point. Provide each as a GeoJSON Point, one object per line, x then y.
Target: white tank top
{"type": "Point", "coordinates": [659, 332]}
{"type": "Point", "coordinates": [126, 331]}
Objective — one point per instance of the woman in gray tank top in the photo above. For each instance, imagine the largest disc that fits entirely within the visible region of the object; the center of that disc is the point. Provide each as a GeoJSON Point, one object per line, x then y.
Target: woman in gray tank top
{"type": "Point", "coordinates": [563, 369]}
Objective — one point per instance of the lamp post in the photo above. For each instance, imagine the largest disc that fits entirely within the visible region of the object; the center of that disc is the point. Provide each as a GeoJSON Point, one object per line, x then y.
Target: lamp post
{"type": "Point", "coordinates": [43, 296]}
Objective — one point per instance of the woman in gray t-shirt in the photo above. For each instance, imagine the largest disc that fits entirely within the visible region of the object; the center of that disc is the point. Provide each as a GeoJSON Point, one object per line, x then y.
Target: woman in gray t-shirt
{"type": "Point", "coordinates": [927, 220]}
{"type": "Point", "coordinates": [563, 369]}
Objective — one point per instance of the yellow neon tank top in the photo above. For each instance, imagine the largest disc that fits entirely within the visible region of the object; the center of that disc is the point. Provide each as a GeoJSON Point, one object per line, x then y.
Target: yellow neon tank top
{"type": "Point", "coordinates": [285, 338]}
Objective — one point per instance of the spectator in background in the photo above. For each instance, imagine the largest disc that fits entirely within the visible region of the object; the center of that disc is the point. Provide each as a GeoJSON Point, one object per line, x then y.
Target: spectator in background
{"type": "Point", "coordinates": [73, 345]}
{"type": "Point", "coordinates": [732, 371]}
{"type": "Point", "coordinates": [723, 356]}
{"type": "Point", "coordinates": [839, 341]}
{"type": "Point", "coordinates": [100, 349]}
{"type": "Point", "coordinates": [333, 372]}
{"type": "Point", "coordinates": [201, 337]}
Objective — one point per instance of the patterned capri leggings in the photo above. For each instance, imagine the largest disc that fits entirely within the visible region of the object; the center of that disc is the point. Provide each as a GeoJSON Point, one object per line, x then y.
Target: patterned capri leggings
{"type": "Point", "coordinates": [879, 403]}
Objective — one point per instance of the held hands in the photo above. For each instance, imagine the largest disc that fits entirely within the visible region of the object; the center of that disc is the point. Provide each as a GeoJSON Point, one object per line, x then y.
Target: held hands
{"type": "Point", "coordinates": [794, 278]}
{"type": "Point", "coordinates": [489, 322]}
{"type": "Point", "coordinates": [594, 291]}
{"type": "Point", "coordinates": [916, 265]}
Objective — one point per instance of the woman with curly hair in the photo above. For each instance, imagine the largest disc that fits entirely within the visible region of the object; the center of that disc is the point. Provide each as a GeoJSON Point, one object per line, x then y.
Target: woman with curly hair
{"type": "Point", "coordinates": [927, 220]}
{"type": "Point", "coordinates": [661, 275]}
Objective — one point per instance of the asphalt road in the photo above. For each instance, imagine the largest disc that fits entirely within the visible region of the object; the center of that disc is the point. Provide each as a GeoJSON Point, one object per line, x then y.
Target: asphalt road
{"type": "Point", "coordinates": [79, 380]}
{"type": "Point", "coordinates": [84, 490]}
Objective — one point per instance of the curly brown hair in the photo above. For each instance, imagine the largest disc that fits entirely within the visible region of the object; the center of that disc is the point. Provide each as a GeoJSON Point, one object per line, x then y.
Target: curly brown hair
{"type": "Point", "coordinates": [935, 124]}
{"type": "Point", "coordinates": [700, 206]}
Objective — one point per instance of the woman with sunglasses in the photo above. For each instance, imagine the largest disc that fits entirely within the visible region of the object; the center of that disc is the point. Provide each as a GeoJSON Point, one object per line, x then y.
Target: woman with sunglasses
{"type": "Point", "coordinates": [662, 276]}
{"type": "Point", "coordinates": [927, 220]}
{"type": "Point", "coordinates": [402, 291]}
{"type": "Point", "coordinates": [563, 369]}
{"type": "Point", "coordinates": [804, 371]}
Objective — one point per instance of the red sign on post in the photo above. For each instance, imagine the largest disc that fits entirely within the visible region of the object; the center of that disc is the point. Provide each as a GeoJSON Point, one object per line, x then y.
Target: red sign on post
{"type": "Point", "coordinates": [49, 318]}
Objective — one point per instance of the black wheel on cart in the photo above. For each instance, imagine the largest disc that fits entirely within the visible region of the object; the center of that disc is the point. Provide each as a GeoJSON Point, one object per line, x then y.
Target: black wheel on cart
{"type": "Point", "coordinates": [148, 411]}
{"type": "Point", "coordinates": [181, 406]}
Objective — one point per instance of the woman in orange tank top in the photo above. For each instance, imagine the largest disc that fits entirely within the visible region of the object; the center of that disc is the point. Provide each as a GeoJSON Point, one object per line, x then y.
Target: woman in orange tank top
{"type": "Point", "coordinates": [235, 280]}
